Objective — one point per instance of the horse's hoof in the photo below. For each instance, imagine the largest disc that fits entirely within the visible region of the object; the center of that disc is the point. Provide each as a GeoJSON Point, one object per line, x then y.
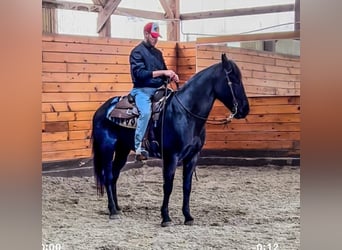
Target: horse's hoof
{"type": "Point", "coordinates": [189, 222]}
{"type": "Point", "coordinates": [166, 223]}
{"type": "Point", "coordinates": [114, 216]}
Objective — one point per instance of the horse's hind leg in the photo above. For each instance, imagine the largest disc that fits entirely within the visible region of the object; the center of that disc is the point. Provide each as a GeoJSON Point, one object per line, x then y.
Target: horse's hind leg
{"type": "Point", "coordinates": [119, 162]}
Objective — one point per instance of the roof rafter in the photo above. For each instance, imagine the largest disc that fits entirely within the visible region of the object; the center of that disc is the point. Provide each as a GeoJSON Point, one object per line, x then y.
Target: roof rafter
{"type": "Point", "coordinates": [106, 12]}
{"type": "Point", "coordinates": [237, 12]}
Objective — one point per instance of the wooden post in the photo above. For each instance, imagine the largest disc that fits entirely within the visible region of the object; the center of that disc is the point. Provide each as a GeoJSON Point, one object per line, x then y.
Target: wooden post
{"type": "Point", "coordinates": [49, 21]}
{"type": "Point", "coordinates": [297, 15]}
{"type": "Point", "coordinates": [172, 14]}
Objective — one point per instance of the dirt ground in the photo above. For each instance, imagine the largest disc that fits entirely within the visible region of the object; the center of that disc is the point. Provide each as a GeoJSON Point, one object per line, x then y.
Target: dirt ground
{"type": "Point", "coordinates": [233, 207]}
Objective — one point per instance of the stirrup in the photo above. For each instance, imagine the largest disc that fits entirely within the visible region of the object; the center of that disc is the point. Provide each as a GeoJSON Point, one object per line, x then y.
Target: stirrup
{"type": "Point", "coordinates": [142, 155]}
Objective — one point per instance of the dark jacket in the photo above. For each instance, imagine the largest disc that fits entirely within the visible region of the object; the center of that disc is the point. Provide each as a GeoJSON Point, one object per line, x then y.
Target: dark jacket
{"type": "Point", "coordinates": [144, 59]}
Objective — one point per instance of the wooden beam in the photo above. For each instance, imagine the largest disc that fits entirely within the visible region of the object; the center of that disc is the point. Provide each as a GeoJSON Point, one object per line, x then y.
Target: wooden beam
{"type": "Point", "coordinates": [237, 12]}
{"type": "Point", "coordinates": [98, 7]}
{"type": "Point", "coordinates": [106, 29]}
{"type": "Point", "coordinates": [106, 12]}
{"type": "Point", "coordinates": [72, 5]}
{"type": "Point", "coordinates": [100, 2]}
{"type": "Point", "coordinates": [249, 37]}
{"type": "Point", "coordinates": [166, 6]}
{"type": "Point", "coordinates": [140, 13]}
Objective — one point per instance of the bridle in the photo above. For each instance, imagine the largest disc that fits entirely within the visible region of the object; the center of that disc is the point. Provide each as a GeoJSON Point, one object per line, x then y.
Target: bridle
{"type": "Point", "coordinates": [226, 120]}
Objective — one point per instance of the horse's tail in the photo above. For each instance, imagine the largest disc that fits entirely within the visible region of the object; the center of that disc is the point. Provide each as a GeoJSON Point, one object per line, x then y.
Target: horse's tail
{"type": "Point", "coordinates": [96, 134]}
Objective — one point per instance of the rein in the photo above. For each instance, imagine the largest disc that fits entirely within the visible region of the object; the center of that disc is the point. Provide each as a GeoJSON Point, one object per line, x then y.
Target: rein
{"type": "Point", "coordinates": [226, 120]}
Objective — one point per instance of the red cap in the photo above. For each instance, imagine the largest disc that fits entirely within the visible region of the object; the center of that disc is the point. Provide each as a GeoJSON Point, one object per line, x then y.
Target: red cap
{"type": "Point", "coordinates": [153, 29]}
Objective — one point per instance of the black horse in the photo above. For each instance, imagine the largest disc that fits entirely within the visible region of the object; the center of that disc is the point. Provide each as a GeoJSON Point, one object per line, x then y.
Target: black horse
{"type": "Point", "coordinates": [181, 133]}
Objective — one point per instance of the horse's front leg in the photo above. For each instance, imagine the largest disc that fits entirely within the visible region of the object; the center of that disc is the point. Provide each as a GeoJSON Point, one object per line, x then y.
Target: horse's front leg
{"type": "Point", "coordinates": [188, 169]}
{"type": "Point", "coordinates": [169, 170]}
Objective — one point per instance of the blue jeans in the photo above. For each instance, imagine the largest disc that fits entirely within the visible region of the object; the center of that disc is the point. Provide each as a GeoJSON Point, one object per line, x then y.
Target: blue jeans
{"type": "Point", "coordinates": [143, 101]}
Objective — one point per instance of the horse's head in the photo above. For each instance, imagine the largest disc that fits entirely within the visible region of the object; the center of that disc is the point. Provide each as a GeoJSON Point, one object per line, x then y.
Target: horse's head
{"type": "Point", "coordinates": [230, 90]}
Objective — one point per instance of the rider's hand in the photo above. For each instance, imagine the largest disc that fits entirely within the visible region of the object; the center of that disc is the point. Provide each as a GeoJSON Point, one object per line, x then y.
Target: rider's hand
{"type": "Point", "coordinates": [172, 75]}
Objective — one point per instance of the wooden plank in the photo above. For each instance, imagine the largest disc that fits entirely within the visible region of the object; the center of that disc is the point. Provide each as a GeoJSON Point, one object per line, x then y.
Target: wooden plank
{"type": "Point", "coordinates": [64, 38]}
{"type": "Point", "coordinates": [256, 91]}
{"type": "Point", "coordinates": [79, 39]}
{"type": "Point", "coordinates": [243, 145]}
{"type": "Point", "coordinates": [69, 106]}
{"type": "Point", "coordinates": [255, 127]}
{"type": "Point", "coordinates": [287, 63]}
{"type": "Point", "coordinates": [98, 49]}
{"type": "Point", "coordinates": [186, 53]}
{"type": "Point", "coordinates": [55, 127]}
{"type": "Point", "coordinates": [261, 109]}
{"type": "Point", "coordinates": [103, 96]}
{"type": "Point", "coordinates": [86, 48]}
{"type": "Point", "coordinates": [261, 118]}
{"type": "Point", "coordinates": [55, 136]}
{"type": "Point", "coordinates": [85, 58]}
{"type": "Point", "coordinates": [79, 125]}
{"type": "Point", "coordinates": [268, 101]}
{"type": "Point", "coordinates": [237, 12]}
{"type": "Point", "coordinates": [65, 97]}
{"type": "Point", "coordinates": [65, 145]}
{"type": "Point", "coordinates": [79, 135]}
{"type": "Point", "coordinates": [274, 100]}
{"type": "Point", "coordinates": [187, 61]}
{"type": "Point", "coordinates": [85, 87]}
{"type": "Point", "coordinates": [249, 136]}
{"type": "Point", "coordinates": [85, 68]}
{"type": "Point", "coordinates": [85, 77]}
{"type": "Point", "coordinates": [250, 37]}
{"type": "Point", "coordinates": [186, 45]}
{"type": "Point", "coordinates": [236, 50]}
{"type": "Point", "coordinates": [275, 76]}
{"type": "Point", "coordinates": [215, 57]}
{"type": "Point", "coordinates": [269, 83]}
{"type": "Point", "coordinates": [80, 97]}
{"type": "Point", "coordinates": [66, 154]}
{"type": "Point", "coordinates": [59, 57]}
{"type": "Point", "coordinates": [188, 69]}
{"type": "Point", "coordinates": [69, 116]}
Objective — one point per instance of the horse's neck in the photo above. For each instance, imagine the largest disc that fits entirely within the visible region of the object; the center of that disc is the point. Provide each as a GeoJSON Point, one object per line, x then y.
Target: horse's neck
{"type": "Point", "coordinates": [198, 96]}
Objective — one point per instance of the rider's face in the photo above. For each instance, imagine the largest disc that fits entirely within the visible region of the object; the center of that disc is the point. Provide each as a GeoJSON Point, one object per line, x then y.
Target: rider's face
{"type": "Point", "coordinates": [152, 41]}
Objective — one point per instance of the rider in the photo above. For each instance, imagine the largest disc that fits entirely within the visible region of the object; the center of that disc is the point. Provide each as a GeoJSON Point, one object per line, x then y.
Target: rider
{"type": "Point", "coordinates": [148, 72]}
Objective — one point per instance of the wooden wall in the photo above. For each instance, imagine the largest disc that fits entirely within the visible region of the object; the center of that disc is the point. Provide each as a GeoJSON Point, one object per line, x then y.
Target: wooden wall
{"type": "Point", "coordinates": [264, 73]}
{"type": "Point", "coordinates": [79, 73]}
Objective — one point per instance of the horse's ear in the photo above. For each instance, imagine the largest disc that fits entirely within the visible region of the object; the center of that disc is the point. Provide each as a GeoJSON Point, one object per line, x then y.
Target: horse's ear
{"type": "Point", "coordinates": [225, 62]}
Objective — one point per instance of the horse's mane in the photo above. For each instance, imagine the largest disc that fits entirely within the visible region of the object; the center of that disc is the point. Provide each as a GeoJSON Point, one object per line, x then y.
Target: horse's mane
{"type": "Point", "coordinates": [194, 79]}
{"type": "Point", "coordinates": [212, 70]}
